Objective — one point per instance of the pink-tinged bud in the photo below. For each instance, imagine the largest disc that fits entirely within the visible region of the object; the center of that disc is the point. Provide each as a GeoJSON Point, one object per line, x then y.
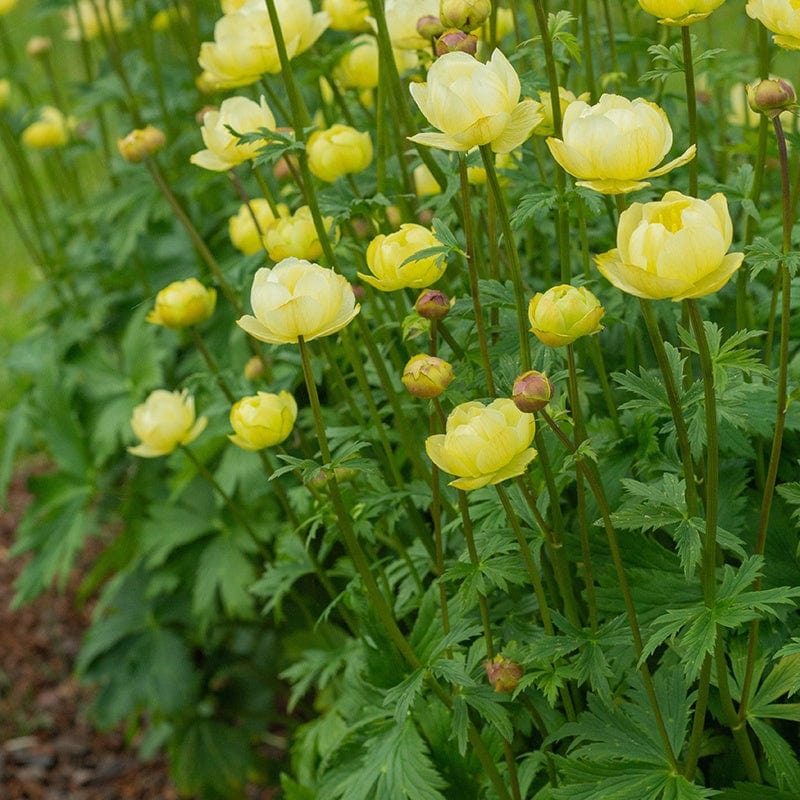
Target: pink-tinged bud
{"type": "Point", "coordinates": [456, 41]}
{"type": "Point", "coordinates": [532, 391]}
{"type": "Point", "coordinates": [771, 96]}
{"type": "Point", "coordinates": [503, 673]}
{"type": "Point", "coordinates": [427, 376]}
{"type": "Point", "coordinates": [429, 26]}
{"type": "Point", "coordinates": [466, 15]}
{"type": "Point", "coordinates": [141, 143]}
{"type": "Point", "coordinates": [433, 304]}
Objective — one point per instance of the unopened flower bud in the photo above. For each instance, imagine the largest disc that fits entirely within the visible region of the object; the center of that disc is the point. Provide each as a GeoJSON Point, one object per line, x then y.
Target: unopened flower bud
{"type": "Point", "coordinates": [433, 304]}
{"type": "Point", "coordinates": [532, 391]}
{"type": "Point", "coordinates": [321, 478]}
{"type": "Point", "coordinates": [37, 46]}
{"type": "Point", "coordinates": [429, 26]}
{"type": "Point", "coordinates": [466, 15]}
{"type": "Point", "coordinates": [563, 314]}
{"type": "Point", "coordinates": [456, 41]}
{"type": "Point", "coordinates": [503, 673]}
{"type": "Point", "coordinates": [427, 376]}
{"type": "Point", "coordinates": [182, 304]}
{"type": "Point", "coordinates": [771, 96]}
{"type": "Point", "coordinates": [254, 368]}
{"type": "Point", "coordinates": [141, 143]}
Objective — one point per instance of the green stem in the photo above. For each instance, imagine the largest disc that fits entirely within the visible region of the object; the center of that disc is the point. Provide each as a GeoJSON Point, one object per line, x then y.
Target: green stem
{"type": "Point", "coordinates": [513, 256]}
{"type": "Point", "coordinates": [780, 415]}
{"type": "Point", "coordinates": [691, 105]}
{"type": "Point", "coordinates": [681, 431]}
{"type": "Point", "coordinates": [473, 277]}
{"type": "Point", "coordinates": [212, 364]}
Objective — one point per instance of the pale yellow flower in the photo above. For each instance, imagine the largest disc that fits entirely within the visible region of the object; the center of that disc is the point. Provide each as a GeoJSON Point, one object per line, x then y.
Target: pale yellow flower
{"type": "Point", "coordinates": [297, 298]}
{"type": "Point", "coordinates": [163, 422]}
{"type": "Point", "coordinates": [483, 445]}
{"type": "Point", "coordinates": [51, 129]}
{"type": "Point", "coordinates": [90, 20]}
{"type": "Point", "coordinates": [7, 5]}
{"type": "Point", "coordinates": [295, 236]}
{"type": "Point", "coordinates": [563, 314]}
{"type": "Point", "coordinates": [182, 304]}
{"type": "Point", "coordinates": [614, 146]}
{"type": "Point", "coordinates": [680, 12]}
{"type": "Point", "coordinates": [242, 229]}
{"type": "Point", "coordinates": [358, 67]}
{"type": "Point", "coordinates": [676, 247]}
{"type": "Point", "coordinates": [427, 376]}
{"type": "Point", "coordinates": [244, 45]}
{"type": "Point", "coordinates": [401, 20]}
{"type": "Point", "coordinates": [347, 15]}
{"type": "Point", "coordinates": [474, 104]}
{"type": "Point", "coordinates": [223, 149]}
{"type": "Point", "coordinates": [338, 150]}
{"type": "Point", "coordinates": [262, 420]}
{"type": "Point", "coordinates": [386, 256]}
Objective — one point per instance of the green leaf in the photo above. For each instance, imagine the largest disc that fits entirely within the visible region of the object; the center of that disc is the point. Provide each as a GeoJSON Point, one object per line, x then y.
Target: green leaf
{"type": "Point", "coordinates": [225, 572]}
{"type": "Point", "coordinates": [755, 791]}
{"type": "Point", "coordinates": [291, 563]}
{"type": "Point", "coordinates": [489, 704]}
{"type": "Point", "coordinates": [780, 755]}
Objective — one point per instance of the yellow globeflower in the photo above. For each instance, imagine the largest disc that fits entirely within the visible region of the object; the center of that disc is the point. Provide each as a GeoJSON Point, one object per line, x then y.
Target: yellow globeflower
{"type": "Point", "coordinates": [474, 104]}
{"type": "Point", "coordinates": [164, 421]}
{"type": "Point", "coordinates": [484, 445]}
{"type": "Point", "coordinates": [358, 67]}
{"type": "Point", "coordinates": [339, 150]}
{"type": "Point", "coordinates": [223, 149]}
{"type": "Point", "coordinates": [88, 20]}
{"type": "Point", "coordinates": [615, 145]}
{"type": "Point", "coordinates": [563, 314]}
{"type": "Point", "coordinates": [141, 143]}
{"type": "Point", "coordinates": [565, 97]}
{"type": "Point", "coordinates": [242, 229]}
{"type": "Point", "coordinates": [676, 247]}
{"type": "Point", "coordinates": [427, 376]}
{"type": "Point", "coordinates": [297, 298]}
{"type": "Point", "coordinates": [347, 15]}
{"type": "Point", "coordinates": [7, 5]}
{"type": "Point", "coordinates": [680, 12]}
{"type": "Point", "coordinates": [51, 129]}
{"type": "Point", "coordinates": [424, 182]}
{"type": "Point", "coordinates": [244, 45]}
{"type": "Point", "coordinates": [262, 420]}
{"type": "Point", "coordinates": [182, 304]}
{"type": "Point", "coordinates": [782, 17]}
{"type": "Point", "coordinates": [295, 236]}
{"type": "Point", "coordinates": [386, 256]}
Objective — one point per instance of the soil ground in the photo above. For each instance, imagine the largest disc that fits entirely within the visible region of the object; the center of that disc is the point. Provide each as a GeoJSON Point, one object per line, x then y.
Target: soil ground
{"type": "Point", "coordinates": [48, 748]}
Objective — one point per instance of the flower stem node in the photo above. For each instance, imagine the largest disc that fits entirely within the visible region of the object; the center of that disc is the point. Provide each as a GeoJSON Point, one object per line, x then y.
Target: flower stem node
{"type": "Point", "coordinates": [771, 96]}
{"type": "Point", "coordinates": [532, 391]}
{"type": "Point", "coordinates": [503, 673]}
{"type": "Point", "coordinates": [427, 376]}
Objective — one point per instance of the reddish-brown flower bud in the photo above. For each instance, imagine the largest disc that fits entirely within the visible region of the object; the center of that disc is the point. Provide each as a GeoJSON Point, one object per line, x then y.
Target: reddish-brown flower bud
{"type": "Point", "coordinates": [429, 26]}
{"type": "Point", "coordinates": [532, 391]}
{"type": "Point", "coordinates": [433, 304]}
{"type": "Point", "coordinates": [771, 96]}
{"type": "Point", "coordinates": [503, 673]}
{"type": "Point", "coordinates": [456, 41]}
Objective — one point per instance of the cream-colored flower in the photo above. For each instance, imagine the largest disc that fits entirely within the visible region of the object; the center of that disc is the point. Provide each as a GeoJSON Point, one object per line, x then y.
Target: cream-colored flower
{"type": "Point", "coordinates": [296, 236]}
{"type": "Point", "coordinates": [565, 97]}
{"type": "Point", "coordinates": [483, 445]}
{"type": "Point", "coordinates": [297, 298]}
{"type": "Point", "coordinates": [347, 15]}
{"type": "Point", "coordinates": [614, 146]}
{"type": "Point", "coordinates": [163, 422]}
{"type": "Point", "coordinates": [401, 20]}
{"type": "Point", "coordinates": [88, 20]}
{"type": "Point", "coordinates": [474, 104]}
{"type": "Point", "coordinates": [386, 257]}
{"type": "Point", "coordinates": [680, 12]}
{"type": "Point", "coordinates": [676, 247]}
{"type": "Point", "coordinates": [244, 45]}
{"type": "Point", "coordinates": [262, 420]}
{"type": "Point", "coordinates": [424, 182]}
{"type": "Point", "coordinates": [782, 17]}
{"type": "Point", "coordinates": [223, 149]}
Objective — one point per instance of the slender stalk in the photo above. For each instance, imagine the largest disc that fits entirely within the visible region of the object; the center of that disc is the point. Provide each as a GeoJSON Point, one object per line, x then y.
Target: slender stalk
{"type": "Point", "coordinates": [616, 556]}
{"type": "Point", "coordinates": [780, 414]}
{"type": "Point", "coordinates": [512, 253]}
{"type": "Point", "coordinates": [691, 104]}
{"type": "Point", "coordinates": [472, 270]}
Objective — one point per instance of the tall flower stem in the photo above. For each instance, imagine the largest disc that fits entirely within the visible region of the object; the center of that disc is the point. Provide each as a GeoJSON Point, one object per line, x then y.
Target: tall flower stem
{"type": "Point", "coordinates": [681, 431]}
{"type": "Point", "coordinates": [515, 268]}
{"type": "Point", "coordinates": [691, 104]}
{"type": "Point", "coordinates": [616, 556]}
{"type": "Point", "coordinates": [473, 277]}
{"type": "Point", "coordinates": [212, 364]}
{"type": "Point", "coordinates": [781, 401]}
